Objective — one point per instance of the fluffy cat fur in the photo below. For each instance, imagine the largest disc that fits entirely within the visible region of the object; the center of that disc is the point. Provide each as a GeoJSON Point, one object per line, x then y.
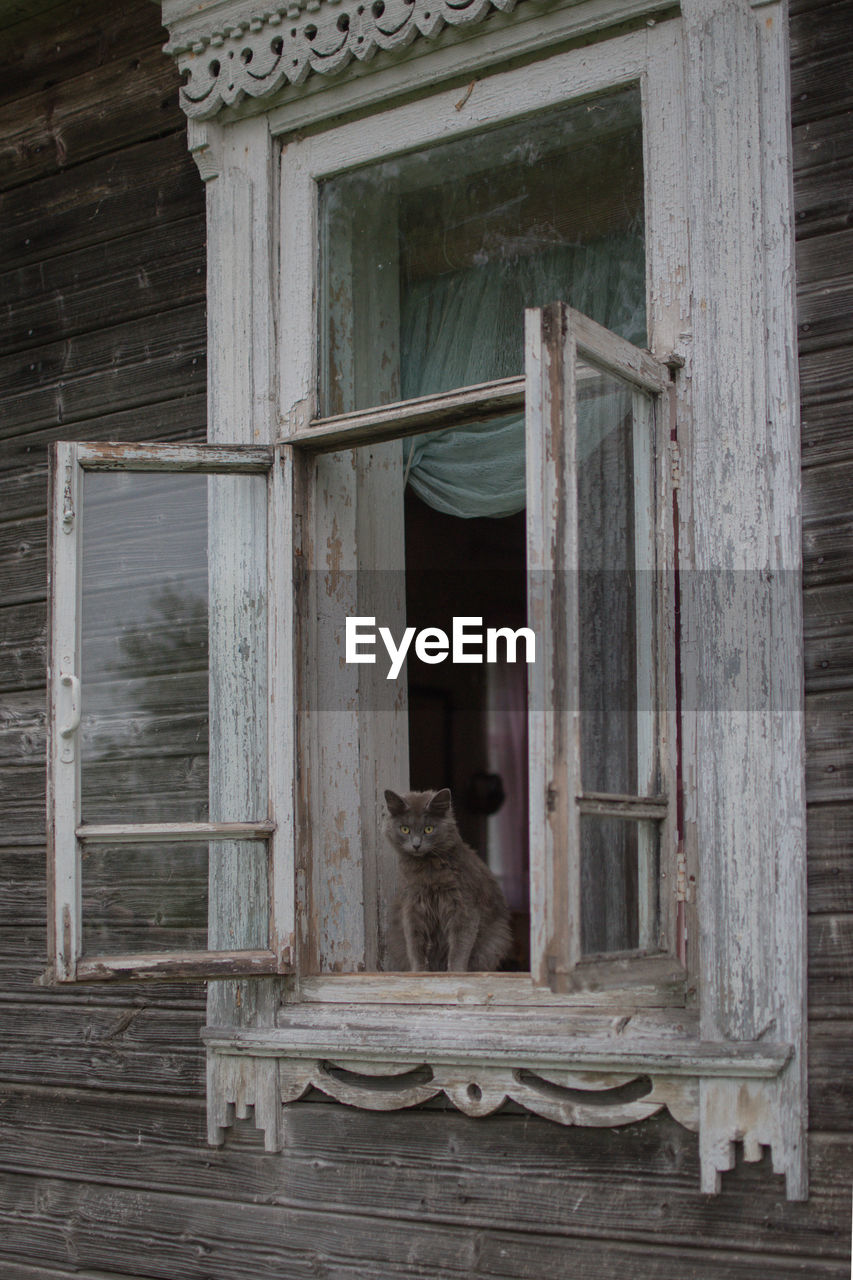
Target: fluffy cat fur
{"type": "Point", "coordinates": [450, 913]}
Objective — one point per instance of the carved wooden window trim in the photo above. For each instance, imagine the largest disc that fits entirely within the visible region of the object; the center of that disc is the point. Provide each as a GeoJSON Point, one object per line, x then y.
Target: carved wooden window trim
{"type": "Point", "coordinates": [709, 243]}
{"type": "Point", "coordinates": [721, 264]}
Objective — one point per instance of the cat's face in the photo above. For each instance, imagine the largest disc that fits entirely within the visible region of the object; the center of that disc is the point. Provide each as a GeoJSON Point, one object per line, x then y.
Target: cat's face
{"type": "Point", "coordinates": [419, 821]}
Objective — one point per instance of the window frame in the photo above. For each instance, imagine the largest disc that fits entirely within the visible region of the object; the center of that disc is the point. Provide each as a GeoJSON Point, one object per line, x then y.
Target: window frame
{"type": "Point", "coordinates": [649, 59]}
{"type": "Point", "coordinates": [557, 338]}
{"type": "Point", "coordinates": [68, 834]}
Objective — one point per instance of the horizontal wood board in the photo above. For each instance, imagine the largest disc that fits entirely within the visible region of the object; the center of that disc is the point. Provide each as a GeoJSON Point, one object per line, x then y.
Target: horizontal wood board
{"type": "Point", "coordinates": [104, 1172]}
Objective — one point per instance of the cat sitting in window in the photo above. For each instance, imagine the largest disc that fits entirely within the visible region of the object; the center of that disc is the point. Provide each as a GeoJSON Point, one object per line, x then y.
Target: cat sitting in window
{"type": "Point", "coordinates": [450, 913]}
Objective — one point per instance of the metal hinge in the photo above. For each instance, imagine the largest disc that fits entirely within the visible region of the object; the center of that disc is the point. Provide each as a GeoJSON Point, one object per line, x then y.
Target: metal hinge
{"type": "Point", "coordinates": [68, 498]}
{"type": "Point", "coordinates": [674, 464]}
{"type": "Point", "coordinates": [681, 874]}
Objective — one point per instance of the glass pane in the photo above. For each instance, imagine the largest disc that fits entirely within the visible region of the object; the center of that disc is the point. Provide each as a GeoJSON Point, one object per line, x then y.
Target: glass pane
{"type": "Point", "coordinates": [619, 879]}
{"type": "Point", "coordinates": [154, 897]}
{"type": "Point", "coordinates": [616, 557]}
{"type": "Point", "coordinates": [429, 259]}
{"type": "Point", "coordinates": [173, 641]}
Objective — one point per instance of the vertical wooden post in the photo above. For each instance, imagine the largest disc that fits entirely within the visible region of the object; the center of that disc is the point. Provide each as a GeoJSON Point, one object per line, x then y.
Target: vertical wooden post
{"type": "Point", "coordinates": [63, 716]}
{"type": "Point", "coordinates": [743, 686]}
{"type": "Point", "coordinates": [241, 226]}
{"type": "Point", "coordinates": [360, 746]}
{"type": "Point", "coordinates": [552, 612]}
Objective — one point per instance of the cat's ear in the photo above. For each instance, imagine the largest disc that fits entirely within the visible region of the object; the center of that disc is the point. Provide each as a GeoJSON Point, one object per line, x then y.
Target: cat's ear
{"type": "Point", "coordinates": [396, 804]}
{"type": "Point", "coordinates": [440, 802]}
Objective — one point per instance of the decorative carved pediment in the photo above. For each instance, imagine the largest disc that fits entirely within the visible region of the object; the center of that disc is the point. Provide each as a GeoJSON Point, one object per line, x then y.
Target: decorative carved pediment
{"type": "Point", "coordinates": [255, 58]}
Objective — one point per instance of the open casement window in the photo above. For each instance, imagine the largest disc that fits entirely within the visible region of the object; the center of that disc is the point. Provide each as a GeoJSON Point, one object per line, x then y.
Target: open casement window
{"type": "Point", "coordinates": [602, 775]}
{"type": "Point", "coordinates": [169, 853]}
{"type": "Point", "coordinates": [161, 678]}
{"type": "Point", "coordinates": [594, 414]}
{"type": "Point", "coordinates": [412, 253]}
{"type": "Point", "coordinates": [164, 822]}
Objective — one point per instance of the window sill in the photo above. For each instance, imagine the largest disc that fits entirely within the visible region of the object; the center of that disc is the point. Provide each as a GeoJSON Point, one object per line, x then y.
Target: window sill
{"type": "Point", "coordinates": [573, 1067]}
{"type": "Point", "coordinates": [584, 1040]}
{"type": "Point", "coordinates": [617, 983]}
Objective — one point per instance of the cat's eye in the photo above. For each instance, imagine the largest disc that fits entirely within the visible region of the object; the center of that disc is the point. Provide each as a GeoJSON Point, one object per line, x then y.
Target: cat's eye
{"type": "Point", "coordinates": [405, 830]}
{"type": "Point", "coordinates": [428, 830]}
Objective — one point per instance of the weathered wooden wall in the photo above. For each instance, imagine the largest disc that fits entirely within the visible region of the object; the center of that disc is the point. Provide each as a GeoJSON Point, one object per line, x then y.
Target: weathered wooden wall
{"type": "Point", "coordinates": [104, 1172]}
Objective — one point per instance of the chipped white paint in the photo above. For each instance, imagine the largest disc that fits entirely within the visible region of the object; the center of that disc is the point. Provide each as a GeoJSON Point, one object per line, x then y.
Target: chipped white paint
{"type": "Point", "coordinates": [742, 606]}
{"type": "Point", "coordinates": [639, 982]}
{"type": "Point", "coordinates": [553, 1037]}
{"type": "Point", "coordinates": [242, 339]}
{"type": "Point", "coordinates": [173, 832]}
{"type": "Point", "coordinates": [566, 1097]}
{"type": "Point", "coordinates": [255, 58]}
{"type": "Point", "coordinates": [612, 1073]}
{"type": "Point", "coordinates": [240, 1090]}
{"type": "Point", "coordinates": [554, 682]}
{"type": "Point", "coordinates": [655, 58]}
{"type": "Point", "coordinates": [409, 417]}
{"type": "Point", "coordinates": [178, 458]}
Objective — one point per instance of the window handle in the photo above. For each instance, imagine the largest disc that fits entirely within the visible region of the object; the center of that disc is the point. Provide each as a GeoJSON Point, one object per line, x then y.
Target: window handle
{"type": "Point", "coordinates": [68, 730]}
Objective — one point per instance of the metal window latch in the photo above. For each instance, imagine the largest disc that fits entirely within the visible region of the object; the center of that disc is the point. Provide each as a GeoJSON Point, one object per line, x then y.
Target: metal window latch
{"type": "Point", "coordinates": [68, 730]}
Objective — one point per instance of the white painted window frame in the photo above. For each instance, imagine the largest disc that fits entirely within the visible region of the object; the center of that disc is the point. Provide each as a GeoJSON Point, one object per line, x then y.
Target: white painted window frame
{"type": "Point", "coordinates": [558, 340]}
{"type": "Point", "coordinates": [69, 835]}
{"type": "Point", "coordinates": [650, 59]}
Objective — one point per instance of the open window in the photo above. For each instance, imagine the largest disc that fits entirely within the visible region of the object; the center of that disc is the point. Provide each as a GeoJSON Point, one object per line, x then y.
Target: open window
{"type": "Point", "coordinates": [427, 254]}
{"type": "Point", "coordinates": [163, 805]}
{"type": "Point", "coordinates": [160, 798]}
{"type": "Point", "coordinates": [590, 421]}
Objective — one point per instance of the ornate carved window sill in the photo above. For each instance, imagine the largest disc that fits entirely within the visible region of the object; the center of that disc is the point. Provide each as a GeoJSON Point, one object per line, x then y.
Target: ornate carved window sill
{"type": "Point", "coordinates": [572, 1067]}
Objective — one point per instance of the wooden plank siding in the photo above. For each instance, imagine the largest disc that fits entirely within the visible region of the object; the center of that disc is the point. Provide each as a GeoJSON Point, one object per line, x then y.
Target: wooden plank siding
{"type": "Point", "coordinates": [104, 1169]}
{"type": "Point", "coordinates": [102, 335]}
{"type": "Point", "coordinates": [822, 109]}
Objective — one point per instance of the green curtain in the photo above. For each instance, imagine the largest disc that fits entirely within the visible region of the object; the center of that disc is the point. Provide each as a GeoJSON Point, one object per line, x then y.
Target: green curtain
{"type": "Point", "coordinates": [466, 327]}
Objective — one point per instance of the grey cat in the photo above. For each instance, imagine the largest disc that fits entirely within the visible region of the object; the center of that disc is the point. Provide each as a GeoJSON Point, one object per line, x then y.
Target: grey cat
{"type": "Point", "coordinates": [450, 913]}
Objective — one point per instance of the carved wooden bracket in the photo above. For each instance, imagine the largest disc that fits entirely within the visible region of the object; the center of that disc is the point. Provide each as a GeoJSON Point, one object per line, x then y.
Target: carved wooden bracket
{"type": "Point", "coordinates": [253, 59]}
{"type": "Point", "coordinates": [724, 1110]}
{"type": "Point", "coordinates": [588, 1098]}
{"type": "Point", "coordinates": [567, 1097]}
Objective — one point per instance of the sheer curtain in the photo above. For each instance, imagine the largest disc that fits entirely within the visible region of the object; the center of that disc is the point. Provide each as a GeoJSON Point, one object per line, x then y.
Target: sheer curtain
{"type": "Point", "coordinates": [466, 327]}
